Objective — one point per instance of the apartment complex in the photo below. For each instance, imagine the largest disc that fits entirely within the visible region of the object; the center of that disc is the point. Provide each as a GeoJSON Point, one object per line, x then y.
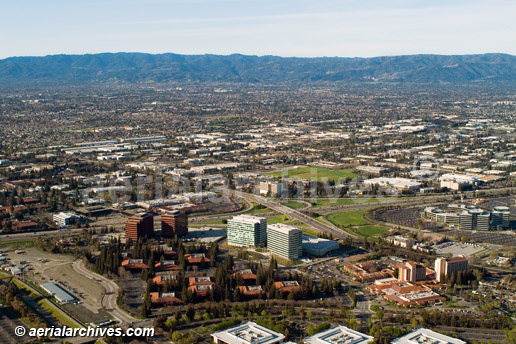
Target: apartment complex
{"type": "Point", "coordinates": [447, 266]}
{"type": "Point", "coordinates": [284, 241]}
{"type": "Point", "coordinates": [174, 223]}
{"type": "Point", "coordinates": [139, 226]}
{"type": "Point", "coordinates": [247, 230]}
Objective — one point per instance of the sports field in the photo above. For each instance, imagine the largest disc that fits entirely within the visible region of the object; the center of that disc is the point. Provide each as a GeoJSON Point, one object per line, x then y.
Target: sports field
{"type": "Point", "coordinates": [314, 173]}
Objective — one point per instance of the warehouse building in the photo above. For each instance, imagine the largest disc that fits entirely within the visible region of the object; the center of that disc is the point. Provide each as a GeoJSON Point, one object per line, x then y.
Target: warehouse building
{"type": "Point", "coordinates": [59, 293]}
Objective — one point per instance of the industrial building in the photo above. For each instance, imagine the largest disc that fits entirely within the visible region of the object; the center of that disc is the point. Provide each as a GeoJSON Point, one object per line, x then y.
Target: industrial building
{"type": "Point", "coordinates": [284, 241]}
{"type": "Point", "coordinates": [59, 293]}
{"type": "Point", "coordinates": [174, 223]}
{"type": "Point", "coordinates": [139, 226]}
{"type": "Point", "coordinates": [247, 333]}
{"type": "Point", "coordinates": [247, 230]}
{"type": "Point", "coordinates": [339, 335]}
{"type": "Point", "coordinates": [427, 336]}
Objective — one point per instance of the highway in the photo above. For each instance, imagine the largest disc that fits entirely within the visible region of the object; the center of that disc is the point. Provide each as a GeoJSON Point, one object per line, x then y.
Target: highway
{"type": "Point", "coordinates": [296, 215]}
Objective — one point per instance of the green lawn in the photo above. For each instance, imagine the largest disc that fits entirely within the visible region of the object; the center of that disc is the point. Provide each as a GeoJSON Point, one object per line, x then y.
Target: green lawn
{"type": "Point", "coordinates": [18, 244]}
{"type": "Point", "coordinates": [294, 204]}
{"type": "Point", "coordinates": [348, 218]}
{"type": "Point", "coordinates": [367, 231]}
{"type": "Point", "coordinates": [310, 232]}
{"type": "Point", "coordinates": [256, 209]}
{"type": "Point", "coordinates": [315, 173]}
{"type": "Point", "coordinates": [371, 230]}
{"type": "Point", "coordinates": [278, 219]}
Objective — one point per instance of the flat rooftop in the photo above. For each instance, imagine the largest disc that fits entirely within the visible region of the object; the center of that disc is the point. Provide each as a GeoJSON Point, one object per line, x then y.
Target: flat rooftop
{"type": "Point", "coordinates": [338, 335]}
{"type": "Point", "coordinates": [249, 219]}
{"type": "Point", "coordinates": [426, 336]}
{"type": "Point", "coordinates": [59, 293]}
{"type": "Point", "coordinates": [248, 333]}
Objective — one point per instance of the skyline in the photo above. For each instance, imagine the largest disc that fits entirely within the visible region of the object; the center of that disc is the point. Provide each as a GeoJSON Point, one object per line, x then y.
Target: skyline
{"type": "Point", "coordinates": [302, 28]}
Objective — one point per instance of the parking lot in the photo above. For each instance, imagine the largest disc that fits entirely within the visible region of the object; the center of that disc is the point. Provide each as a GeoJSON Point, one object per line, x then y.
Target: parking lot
{"type": "Point", "coordinates": [466, 249]}
{"type": "Point", "coordinates": [41, 267]}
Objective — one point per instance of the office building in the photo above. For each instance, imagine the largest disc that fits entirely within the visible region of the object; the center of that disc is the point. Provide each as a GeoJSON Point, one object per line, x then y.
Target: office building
{"type": "Point", "coordinates": [426, 336]}
{"type": "Point", "coordinates": [474, 219]}
{"type": "Point", "coordinates": [247, 333]}
{"type": "Point", "coordinates": [501, 217]}
{"type": "Point", "coordinates": [273, 189]}
{"type": "Point", "coordinates": [174, 223]}
{"type": "Point", "coordinates": [247, 230]}
{"type": "Point", "coordinates": [447, 266]}
{"type": "Point", "coordinates": [139, 226]}
{"type": "Point", "coordinates": [339, 335]}
{"type": "Point", "coordinates": [65, 219]}
{"type": "Point", "coordinates": [318, 247]}
{"type": "Point", "coordinates": [284, 241]}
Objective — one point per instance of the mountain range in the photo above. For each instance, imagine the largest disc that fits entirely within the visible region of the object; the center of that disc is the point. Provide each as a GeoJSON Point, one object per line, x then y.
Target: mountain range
{"type": "Point", "coordinates": [145, 68]}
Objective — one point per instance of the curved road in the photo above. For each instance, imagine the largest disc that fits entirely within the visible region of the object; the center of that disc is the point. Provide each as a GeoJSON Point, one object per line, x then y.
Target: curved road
{"type": "Point", "coordinates": [110, 296]}
{"type": "Point", "coordinates": [294, 214]}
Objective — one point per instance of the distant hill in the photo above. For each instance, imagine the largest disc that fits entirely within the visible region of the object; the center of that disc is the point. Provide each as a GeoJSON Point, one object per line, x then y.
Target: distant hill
{"type": "Point", "coordinates": [139, 67]}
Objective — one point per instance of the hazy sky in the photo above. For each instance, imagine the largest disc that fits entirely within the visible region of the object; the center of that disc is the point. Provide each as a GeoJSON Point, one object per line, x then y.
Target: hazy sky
{"type": "Point", "coordinates": [259, 27]}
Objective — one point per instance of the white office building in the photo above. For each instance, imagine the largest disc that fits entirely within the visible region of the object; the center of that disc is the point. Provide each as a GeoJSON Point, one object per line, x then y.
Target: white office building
{"type": "Point", "coordinates": [247, 333]}
{"type": "Point", "coordinates": [247, 230]}
{"type": "Point", "coordinates": [65, 219]}
{"type": "Point", "coordinates": [339, 335]}
{"type": "Point", "coordinates": [284, 241]}
{"type": "Point", "coordinates": [426, 336]}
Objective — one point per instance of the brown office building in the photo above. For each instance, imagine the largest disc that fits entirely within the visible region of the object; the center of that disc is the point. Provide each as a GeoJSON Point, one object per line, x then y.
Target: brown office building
{"type": "Point", "coordinates": [173, 223]}
{"type": "Point", "coordinates": [139, 226]}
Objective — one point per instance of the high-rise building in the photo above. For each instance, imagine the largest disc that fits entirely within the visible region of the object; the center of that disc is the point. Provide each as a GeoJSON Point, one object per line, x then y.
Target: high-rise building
{"type": "Point", "coordinates": [174, 223]}
{"type": "Point", "coordinates": [273, 189]}
{"type": "Point", "coordinates": [139, 226]}
{"type": "Point", "coordinates": [284, 241]}
{"type": "Point", "coordinates": [501, 217]}
{"type": "Point", "coordinates": [247, 230]}
{"type": "Point", "coordinates": [447, 266]}
{"type": "Point", "coordinates": [411, 272]}
{"type": "Point", "coordinates": [474, 219]}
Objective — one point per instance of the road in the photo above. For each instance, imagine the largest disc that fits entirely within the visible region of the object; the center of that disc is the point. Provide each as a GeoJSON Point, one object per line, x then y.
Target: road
{"type": "Point", "coordinates": [109, 298]}
{"type": "Point", "coordinates": [296, 215]}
